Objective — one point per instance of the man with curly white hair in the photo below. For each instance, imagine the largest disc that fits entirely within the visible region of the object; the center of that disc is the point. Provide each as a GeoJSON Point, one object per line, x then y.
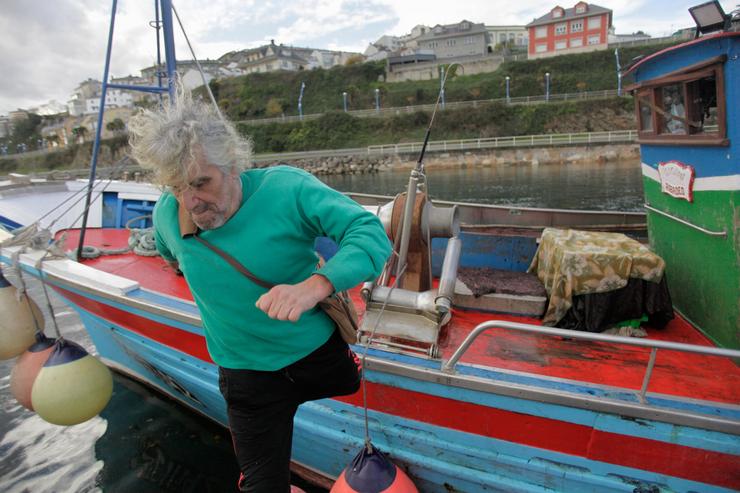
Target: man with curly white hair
{"type": "Point", "coordinates": [274, 348]}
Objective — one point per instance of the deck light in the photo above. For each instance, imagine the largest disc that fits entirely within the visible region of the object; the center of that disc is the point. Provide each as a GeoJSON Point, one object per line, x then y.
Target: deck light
{"type": "Point", "coordinates": [709, 17]}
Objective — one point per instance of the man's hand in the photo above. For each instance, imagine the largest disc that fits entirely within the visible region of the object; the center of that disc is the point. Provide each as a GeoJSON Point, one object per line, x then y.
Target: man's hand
{"type": "Point", "coordinates": [289, 301]}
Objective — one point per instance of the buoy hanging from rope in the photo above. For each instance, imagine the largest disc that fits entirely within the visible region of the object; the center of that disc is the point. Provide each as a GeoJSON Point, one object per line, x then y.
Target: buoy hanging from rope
{"type": "Point", "coordinates": [72, 386]}
{"type": "Point", "coordinates": [18, 324]}
{"type": "Point", "coordinates": [27, 368]}
{"type": "Point", "coordinates": [372, 472]}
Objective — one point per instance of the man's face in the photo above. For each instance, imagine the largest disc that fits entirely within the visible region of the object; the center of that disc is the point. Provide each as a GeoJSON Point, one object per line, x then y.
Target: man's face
{"type": "Point", "coordinates": [209, 195]}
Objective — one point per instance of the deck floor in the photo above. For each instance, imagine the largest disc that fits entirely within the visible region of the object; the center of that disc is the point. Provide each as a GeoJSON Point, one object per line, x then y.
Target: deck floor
{"type": "Point", "coordinates": [675, 373]}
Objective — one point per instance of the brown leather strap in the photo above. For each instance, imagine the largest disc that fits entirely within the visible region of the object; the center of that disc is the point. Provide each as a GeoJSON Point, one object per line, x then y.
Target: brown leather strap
{"type": "Point", "coordinates": [234, 263]}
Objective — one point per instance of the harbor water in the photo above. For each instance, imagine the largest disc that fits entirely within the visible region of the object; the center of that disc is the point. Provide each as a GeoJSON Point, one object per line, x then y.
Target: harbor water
{"type": "Point", "coordinates": [143, 442]}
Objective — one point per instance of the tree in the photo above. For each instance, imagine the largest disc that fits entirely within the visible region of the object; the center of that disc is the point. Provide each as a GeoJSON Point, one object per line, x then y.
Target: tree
{"type": "Point", "coordinates": [80, 132]}
{"type": "Point", "coordinates": [274, 107]}
{"type": "Point", "coordinates": [116, 126]}
{"type": "Point", "coordinates": [354, 60]}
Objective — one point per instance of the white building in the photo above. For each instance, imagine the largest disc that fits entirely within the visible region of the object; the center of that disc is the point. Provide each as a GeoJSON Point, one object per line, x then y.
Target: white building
{"type": "Point", "coordinates": [114, 98]}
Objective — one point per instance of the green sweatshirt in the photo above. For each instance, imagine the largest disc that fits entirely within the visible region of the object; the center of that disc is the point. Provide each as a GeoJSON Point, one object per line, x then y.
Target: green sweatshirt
{"type": "Point", "coordinates": [283, 211]}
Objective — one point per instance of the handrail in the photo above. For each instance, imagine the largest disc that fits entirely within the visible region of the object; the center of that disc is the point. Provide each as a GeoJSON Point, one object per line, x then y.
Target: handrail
{"type": "Point", "coordinates": [449, 365]}
{"type": "Point", "coordinates": [722, 233]}
{"type": "Point", "coordinates": [397, 110]}
{"type": "Point", "coordinates": [510, 141]}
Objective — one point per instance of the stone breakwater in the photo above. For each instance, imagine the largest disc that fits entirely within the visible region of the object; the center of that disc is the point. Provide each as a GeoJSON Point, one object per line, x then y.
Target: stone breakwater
{"type": "Point", "coordinates": [348, 165]}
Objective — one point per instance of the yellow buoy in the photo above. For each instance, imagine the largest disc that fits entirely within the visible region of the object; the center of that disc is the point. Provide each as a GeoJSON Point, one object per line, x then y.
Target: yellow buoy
{"type": "Point", "coordinates": [17, 326]}
{"type": "Point", "coordinates": [72, 386]}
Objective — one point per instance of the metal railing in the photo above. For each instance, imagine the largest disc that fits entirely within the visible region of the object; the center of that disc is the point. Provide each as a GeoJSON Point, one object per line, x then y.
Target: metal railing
{"type": "Point", "coordinates": [722, 233]}
{"type": "Point", "coordinates": [449, 365]}
{"type": "Point", "coordinates": [513, 141]}
{"type": "Point", "coordinates": [617, 136]}
{"type": "Point", "coordinates": [400, 110]}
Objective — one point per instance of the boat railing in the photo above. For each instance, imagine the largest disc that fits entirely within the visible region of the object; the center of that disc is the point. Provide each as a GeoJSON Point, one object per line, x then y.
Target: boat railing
{"type": "Point", "coordinates": [449, 365]}
{"type": "Point", "coordinates": [709, 232]}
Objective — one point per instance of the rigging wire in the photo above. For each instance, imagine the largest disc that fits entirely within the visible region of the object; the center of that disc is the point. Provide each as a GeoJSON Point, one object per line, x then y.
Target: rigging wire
{"type": "Point", "coordinates": [197, 63]}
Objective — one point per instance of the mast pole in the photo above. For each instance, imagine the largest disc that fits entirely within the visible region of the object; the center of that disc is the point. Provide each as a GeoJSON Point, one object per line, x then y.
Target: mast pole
{"type": "Point", "coordinates": [98, 130]}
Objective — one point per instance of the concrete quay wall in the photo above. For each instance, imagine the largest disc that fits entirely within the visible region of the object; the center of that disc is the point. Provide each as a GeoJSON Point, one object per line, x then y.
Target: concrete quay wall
{"type": "Point", "coordinates": [562, 155]}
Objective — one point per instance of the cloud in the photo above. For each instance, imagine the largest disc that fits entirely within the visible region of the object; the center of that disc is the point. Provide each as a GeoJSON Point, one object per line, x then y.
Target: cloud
{"type": "Point", "coordinates": [50, 47]}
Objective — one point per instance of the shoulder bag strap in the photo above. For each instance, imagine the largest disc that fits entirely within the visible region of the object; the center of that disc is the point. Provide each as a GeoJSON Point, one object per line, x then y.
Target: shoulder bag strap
{"type": "Point", "coordinates": [234, 263]}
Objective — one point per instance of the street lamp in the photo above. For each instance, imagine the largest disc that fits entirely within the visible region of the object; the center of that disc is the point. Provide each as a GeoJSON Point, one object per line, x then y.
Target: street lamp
{"type": "Point", "coordinates": [547, 86]}
{"type": "Point", "coordinates": [508, 99]}
{"type": "Point", "coordinates": [300, 101]}
{"type": "Point", "coordinates": [344, 98]}
{"type": "Point", "coordinates": [619, 72]}
{"type": "Point", "coordinates": [442, 86]}
{"type": "Point", "coordinates": [377, 100]}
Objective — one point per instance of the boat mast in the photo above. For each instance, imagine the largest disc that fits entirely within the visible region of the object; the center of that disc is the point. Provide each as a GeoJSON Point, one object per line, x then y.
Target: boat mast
{"type": "Point", "coordinates": [171, 65]}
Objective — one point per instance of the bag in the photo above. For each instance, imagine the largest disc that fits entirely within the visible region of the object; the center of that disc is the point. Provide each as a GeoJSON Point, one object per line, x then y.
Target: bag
{"type": "Point", "coordinates": [342, 311]}
{"type": "Point", "coordinates": [338, 307]}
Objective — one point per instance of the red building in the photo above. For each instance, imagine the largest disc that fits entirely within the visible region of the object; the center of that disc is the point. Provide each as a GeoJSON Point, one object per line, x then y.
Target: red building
{"type": "Point", "coordinates": [576, 30]}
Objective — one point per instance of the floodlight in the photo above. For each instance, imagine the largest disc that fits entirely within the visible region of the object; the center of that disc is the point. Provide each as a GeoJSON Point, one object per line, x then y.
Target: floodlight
{"type": "Point", "coordinates": [709, 17]}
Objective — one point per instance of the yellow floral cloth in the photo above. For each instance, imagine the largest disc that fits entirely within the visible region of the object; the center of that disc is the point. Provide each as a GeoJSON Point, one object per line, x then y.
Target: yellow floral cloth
{"type": "Point", "coordinates": [571, 262]}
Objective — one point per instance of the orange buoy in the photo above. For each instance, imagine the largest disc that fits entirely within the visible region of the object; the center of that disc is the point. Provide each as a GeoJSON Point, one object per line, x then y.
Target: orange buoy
{"type": "Point", "coordinates": [72, 386]}
{"type": "Point", "coordinates": [18, 325]}
{"type": "Point", "coordinates": [372, 472]}
{"type": "Point", "coordinates": [27, 368]}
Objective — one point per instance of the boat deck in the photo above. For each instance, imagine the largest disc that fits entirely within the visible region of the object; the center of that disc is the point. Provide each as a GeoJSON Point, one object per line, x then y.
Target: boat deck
{"type": "Point", "coordinates": [675, 373]}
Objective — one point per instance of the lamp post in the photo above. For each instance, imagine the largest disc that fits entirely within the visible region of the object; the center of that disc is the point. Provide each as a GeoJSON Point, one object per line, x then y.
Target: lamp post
{"type": "Point", "coordinates": [508, 98]}
{"type": "Point", "coordinates": [300, 101]}
{"type": "Point", "coordinates": [619, 72]}
{"type": "Point", "coordinates": [377, 100]}
{"type": "Point", "coordinates": [547, 86]}
{"type": "Point", "coordinates": [344, 98]}
{"type": "Point", "coordinates": [442, 87]}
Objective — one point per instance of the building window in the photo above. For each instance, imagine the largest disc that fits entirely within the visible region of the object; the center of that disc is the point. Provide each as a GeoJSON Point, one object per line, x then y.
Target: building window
{"type": "Point", "coordinates": [576, 42]}
{"type": "Point", "coordinates": [594, 40]}
{"type": "Point", "coordinates": [576, 26]}
{"type": "Point", "coordinates": [561, 29]}
{"type": "Point", "coordinates": [594, 22]}
{"type": "Point", "coordinates": [561, 45]}
{"type": "Point", "coordinates": [581, 8]}
{"type": "Point", "coordinates": [557, 13]}
{"type": "Point", "coordinates": [541, 32]}
{"type": "Point", "coordinates": [541, 48]}
{"type": "Point", "coordinates": [686, 107]}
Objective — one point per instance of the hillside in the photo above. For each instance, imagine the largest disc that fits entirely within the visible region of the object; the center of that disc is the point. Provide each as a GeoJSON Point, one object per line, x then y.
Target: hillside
{"type": "Point", "coordinates": [337, 129]}
{"type": "Point", "coordinates": [276, 93]}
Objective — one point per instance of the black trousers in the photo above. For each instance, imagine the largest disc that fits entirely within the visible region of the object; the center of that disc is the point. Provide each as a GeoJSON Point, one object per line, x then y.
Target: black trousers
{"type": "Point", "coordinates": [261, 406]}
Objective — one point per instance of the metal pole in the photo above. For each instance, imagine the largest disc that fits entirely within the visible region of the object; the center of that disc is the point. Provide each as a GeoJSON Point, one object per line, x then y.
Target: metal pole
{"type": "Point", "coordinates": [157, 27]}
{"type": "Point", "coordinates": [169, 46]}
{"type": "Point", "coordinates": [442, 87]}
{"type": "Point", "coordinates": [98, 128]}
{"type": "Point", "coordinates": [619, 72]}
{"type": "Point", "coordinates": [344, 98]}
{"type": "Point", "coordinates": [300, 101]}
{"type": "Point", "coordinates": [377, 100]}
{"type": "Point", "coordinates": [547, 86]}
{"type": "Point", "coordinates": [508, 97]}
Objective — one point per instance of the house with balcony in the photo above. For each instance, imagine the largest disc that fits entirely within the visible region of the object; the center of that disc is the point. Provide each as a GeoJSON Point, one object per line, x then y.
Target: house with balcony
{"type": "Point", "coordinates": [581, 28]}
{"type": "Point", "coordinates": [507, 36]}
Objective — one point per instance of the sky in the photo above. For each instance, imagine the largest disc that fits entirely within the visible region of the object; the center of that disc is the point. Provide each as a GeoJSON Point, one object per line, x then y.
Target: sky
{"type": "Point", "coordinates": [47, 47]}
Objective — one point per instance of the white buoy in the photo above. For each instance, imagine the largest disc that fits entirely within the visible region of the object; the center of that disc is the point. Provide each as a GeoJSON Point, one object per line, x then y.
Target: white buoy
{"type": "Point", "coordinates": [72, 386]}
{"type": "Point", "coordinates": [17, 326]}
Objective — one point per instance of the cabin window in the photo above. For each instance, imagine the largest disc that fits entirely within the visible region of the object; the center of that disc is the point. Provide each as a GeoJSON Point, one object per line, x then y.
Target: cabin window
{"type": "Point", "coordinates": [687, 106]}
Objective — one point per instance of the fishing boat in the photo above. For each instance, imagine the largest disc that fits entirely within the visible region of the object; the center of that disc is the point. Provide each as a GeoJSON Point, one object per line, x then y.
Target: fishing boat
{"type": "Point", "coordinates": [469, 390]}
